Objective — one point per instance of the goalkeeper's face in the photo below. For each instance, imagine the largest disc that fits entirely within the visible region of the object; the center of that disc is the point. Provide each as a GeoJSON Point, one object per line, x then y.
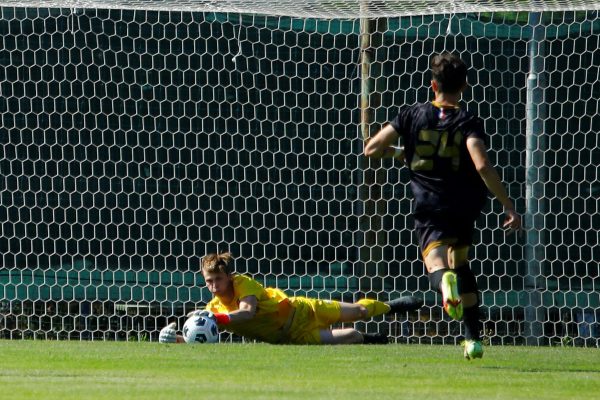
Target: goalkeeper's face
{"type": "Point", "coordinates": [219, 283]}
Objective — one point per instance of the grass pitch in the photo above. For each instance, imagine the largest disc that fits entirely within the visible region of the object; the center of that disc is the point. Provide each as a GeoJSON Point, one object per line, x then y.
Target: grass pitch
{"type": "Point", "coordinates": [121, 370]}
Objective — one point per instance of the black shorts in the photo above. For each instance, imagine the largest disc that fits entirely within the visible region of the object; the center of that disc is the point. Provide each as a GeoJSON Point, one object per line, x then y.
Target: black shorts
{"type": "Point", "coordinates": [454, 228]}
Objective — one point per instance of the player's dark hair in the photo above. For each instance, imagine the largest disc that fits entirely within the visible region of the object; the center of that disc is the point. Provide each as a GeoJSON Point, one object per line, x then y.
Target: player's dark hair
{"type": "Point", "coordinates": [449, 71]}
{"type": "Point", "coordinates": [217, 262]}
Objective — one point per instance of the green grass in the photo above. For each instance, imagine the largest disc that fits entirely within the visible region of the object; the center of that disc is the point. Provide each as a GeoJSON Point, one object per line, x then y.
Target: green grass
{"type": "Point", "coordinates": [121, 370]}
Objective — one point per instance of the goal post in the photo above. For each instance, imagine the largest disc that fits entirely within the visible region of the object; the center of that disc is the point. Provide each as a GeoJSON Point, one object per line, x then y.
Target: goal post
{"type": "Point", "coordinates": [136, 137]}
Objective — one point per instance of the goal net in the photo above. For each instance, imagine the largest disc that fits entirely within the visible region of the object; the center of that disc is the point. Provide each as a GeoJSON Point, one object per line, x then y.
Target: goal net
{"type": "Point", "coordinates": [137, 136]}
{"type": "Point", "coordinates": [330, 9]}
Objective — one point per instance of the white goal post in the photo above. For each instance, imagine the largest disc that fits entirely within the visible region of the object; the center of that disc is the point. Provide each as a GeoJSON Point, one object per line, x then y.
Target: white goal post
{"type": "Point", "coordinates": [137, 136]}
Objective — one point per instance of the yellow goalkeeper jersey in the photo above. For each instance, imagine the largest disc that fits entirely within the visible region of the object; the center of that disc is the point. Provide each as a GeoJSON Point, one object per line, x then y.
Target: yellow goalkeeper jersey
{"type": "Point", "coordinates": [272, 311]}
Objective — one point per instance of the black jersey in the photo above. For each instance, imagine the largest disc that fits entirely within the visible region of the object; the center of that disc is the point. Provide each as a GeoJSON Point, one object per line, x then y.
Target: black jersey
{"type": "Point", "coordinates": [442, 173]}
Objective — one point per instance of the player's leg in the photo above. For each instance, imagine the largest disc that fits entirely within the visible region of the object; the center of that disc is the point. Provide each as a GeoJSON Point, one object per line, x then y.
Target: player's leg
{"type": "Point", "coordinates": [368, 308]}
{"type": "Point", "coordinates": [361, 310]}
{"type": "Point", "coordinates": [351, 336]}
{"type": "Point", "coordinates": [314, 327]}
{"type": "Point", "coordinates": [436, 232]}
{"type": "Point", "coordinates": [467, 284]}
{"type": "Point", "coordinates": [404, 304]}
{"type": "Point", "coordinates": [341, 336]}
{"type": "Point", "coordinates": [469, 292]}
{"type": "Point", "coordinates": [468, 289]}
{"type": "Point", "coordinates": [375, 338]}
{"type": "Point", "coordinates": [443, 279]}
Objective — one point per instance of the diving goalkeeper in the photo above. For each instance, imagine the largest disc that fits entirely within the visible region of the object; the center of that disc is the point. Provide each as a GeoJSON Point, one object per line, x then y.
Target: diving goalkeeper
{"type": "Point", "coordinates": [243, 306]}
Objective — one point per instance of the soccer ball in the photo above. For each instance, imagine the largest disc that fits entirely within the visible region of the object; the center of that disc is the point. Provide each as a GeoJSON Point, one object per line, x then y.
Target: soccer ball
{"type": "Point", "coordinates": [200, 329]}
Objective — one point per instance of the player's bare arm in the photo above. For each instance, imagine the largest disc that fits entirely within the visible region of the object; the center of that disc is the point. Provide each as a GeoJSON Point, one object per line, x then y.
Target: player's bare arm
{"type": "Point", "coordinates": [490, 177]}
{"type": "Point", "coordinates": [380, 145]}
{"type": "Point", "coordinates": [246, 311]}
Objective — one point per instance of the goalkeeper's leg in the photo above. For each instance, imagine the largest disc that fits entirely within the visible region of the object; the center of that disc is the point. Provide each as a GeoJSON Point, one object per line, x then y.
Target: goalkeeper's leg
{"type": "Point", "coordinates": [341, 336]}
{"type": "Point", "coordinates": [351, 336]}
{"type": "Point", "coordinates": [361, 310]}
{"type": "Point", "coordinates": [368, 308]}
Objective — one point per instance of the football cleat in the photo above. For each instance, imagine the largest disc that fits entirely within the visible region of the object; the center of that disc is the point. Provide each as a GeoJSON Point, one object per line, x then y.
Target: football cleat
{"type": "Point", "coordinates": [473, 349]}
{"type": "Point", "coordinates": [452, 302]}
{"type": "Point", "coordinates": [404, 304]}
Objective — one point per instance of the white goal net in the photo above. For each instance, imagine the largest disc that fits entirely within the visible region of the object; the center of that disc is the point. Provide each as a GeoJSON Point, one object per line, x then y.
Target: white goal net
{"type": "Point", "coordinates": [134, 139]}
{"type": "Point", "coordinates": [330, 9]}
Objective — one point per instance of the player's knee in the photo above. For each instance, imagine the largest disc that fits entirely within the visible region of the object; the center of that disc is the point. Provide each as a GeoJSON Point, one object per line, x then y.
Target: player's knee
{"type": "Point", "coordinates": [362, 312]}
{"type": "Point", "coordinates": [353, 312]}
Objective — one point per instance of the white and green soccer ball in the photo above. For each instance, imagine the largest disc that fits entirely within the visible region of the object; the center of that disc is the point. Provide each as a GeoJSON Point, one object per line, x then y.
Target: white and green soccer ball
{"type": "Point", "coordinates": [200, 329]}
{"type": "Point", "coordinates": [473, 349]}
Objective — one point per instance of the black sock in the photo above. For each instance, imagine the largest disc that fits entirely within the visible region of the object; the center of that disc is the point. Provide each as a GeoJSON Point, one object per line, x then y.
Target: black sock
{"type": "Point", "coordinates": [435, 278]}
{"type": "Point", "coordinates": [471, 322]}
{"type": "Point", "coordinates": [375, 338]}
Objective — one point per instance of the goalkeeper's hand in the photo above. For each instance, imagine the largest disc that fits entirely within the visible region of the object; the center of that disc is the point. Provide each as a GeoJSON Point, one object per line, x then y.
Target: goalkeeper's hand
{"type": "Point", "coordinates": [218, 318]}
{"type": "Point", "coordinates": [201, 313]}
{"type": "Point", "coordinates": [168, 334]}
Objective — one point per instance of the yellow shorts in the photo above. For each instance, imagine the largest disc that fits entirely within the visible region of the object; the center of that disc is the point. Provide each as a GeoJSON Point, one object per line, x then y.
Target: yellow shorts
{"type": "Point", "coordinates": [311, 316]}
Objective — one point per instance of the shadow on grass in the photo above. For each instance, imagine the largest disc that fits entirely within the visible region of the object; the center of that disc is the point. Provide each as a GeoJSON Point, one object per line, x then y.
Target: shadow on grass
{"type": "Point", "coordinates": [541, 370]}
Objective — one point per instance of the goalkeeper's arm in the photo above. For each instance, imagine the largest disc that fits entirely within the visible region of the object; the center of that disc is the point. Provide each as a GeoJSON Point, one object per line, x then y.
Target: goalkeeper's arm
{"type": "Point", "coordinates": [246, 311]}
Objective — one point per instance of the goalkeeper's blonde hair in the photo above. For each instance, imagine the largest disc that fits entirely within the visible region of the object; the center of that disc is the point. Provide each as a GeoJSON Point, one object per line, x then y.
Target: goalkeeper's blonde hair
{"type": "Point", "coordinates": [217, 263]}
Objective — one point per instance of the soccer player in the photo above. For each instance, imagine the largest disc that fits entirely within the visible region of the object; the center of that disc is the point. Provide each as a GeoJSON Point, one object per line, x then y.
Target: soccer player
{"type": "Point", "coordinates": [450, 175]}
{"type": "Point", "coordinates": [243, 306]}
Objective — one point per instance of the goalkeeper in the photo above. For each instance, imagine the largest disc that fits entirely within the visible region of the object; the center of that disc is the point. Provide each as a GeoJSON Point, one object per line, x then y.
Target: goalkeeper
{"type": "Point", "coordinates": [450, 173]}
{"type": "Point", "coordinates": [243, 306]}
